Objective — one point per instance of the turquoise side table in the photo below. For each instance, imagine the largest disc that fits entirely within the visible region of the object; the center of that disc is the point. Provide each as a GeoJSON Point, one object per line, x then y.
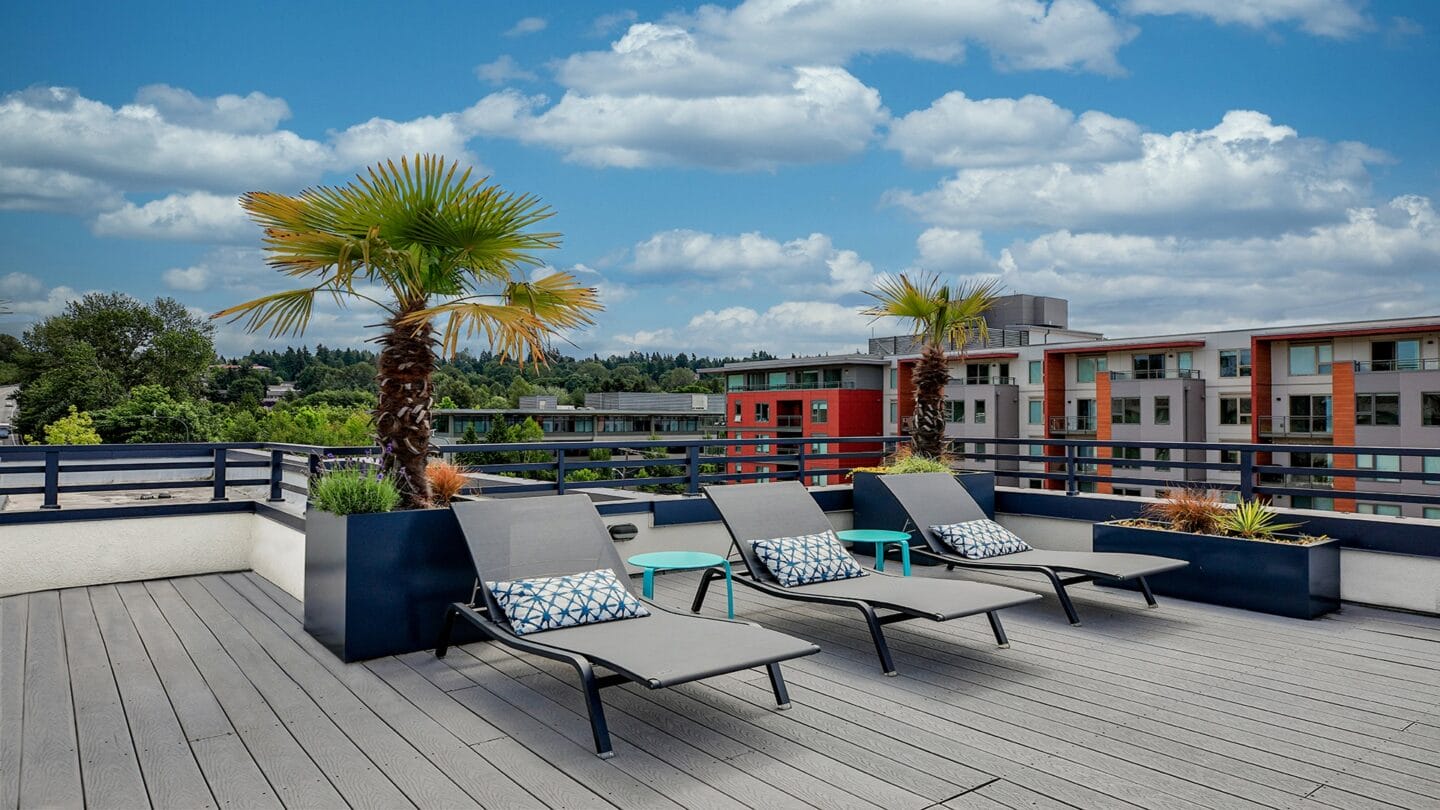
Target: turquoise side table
{"type": "Point", "coordinates": [688, 561]}
{"type": "Point", "coordinates": [879, 538]}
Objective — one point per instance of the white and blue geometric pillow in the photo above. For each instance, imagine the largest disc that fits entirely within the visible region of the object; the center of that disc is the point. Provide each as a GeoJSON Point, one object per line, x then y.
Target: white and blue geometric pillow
{"type": "Point", "coordinates": [547, 603]}
{"type": "Point", "coordinates": [978, 539]}
{"type": "Point", "coordinates": [807, 558]}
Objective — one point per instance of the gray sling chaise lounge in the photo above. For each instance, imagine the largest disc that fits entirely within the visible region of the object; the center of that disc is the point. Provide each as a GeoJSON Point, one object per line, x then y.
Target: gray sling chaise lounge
{"type": "Point", "coordinates": [762, 511]}
{"type": "Point", "coordinates": [553, 536]}
{"type": "Point", "coordinates": [937, 499]}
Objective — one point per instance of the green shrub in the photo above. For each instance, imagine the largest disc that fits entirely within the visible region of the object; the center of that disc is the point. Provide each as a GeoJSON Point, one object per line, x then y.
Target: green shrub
{"type": "Point", "coordinates": [917, 464]}
{"type": "Point", "coordinates": [353, 491]}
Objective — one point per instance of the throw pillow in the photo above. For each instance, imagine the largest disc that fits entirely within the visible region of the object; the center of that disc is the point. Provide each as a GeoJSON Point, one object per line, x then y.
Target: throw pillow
{"type": "Point", "coordinates": [547, 603]}
{"type": "Point", "coordinates": [978, 539]}
{"type": "Point", "coordinates": [807, 558]}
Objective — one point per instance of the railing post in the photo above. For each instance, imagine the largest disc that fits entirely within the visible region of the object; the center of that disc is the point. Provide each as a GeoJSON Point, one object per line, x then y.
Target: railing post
{"type": "Point", "coordinates": [560, 471]}
{"type": "Point", "coordinates": [52, 480]}
{"type": "Point", "coordinates": [1072, 486]}
{"type": "Point", "coordinates": [800, 461]}
{"type": "Point", "coordinates": [277, 476]}
{"type": "Point", "coordinates": [692, 470]}
{"type": "Point", "coordinates": [1247, 475]}
{"type": "Point", "coordinates": [220, 458]}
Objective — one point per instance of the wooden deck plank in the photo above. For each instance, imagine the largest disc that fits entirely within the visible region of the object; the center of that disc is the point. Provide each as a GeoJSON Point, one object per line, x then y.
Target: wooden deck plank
{"type": "Point", "coordinates": [14, 619]}
{"type": "Point", "coordinates": [358, 779]}
{"type": "Point", "coordinates": [287, 769]}
{"type": "Point", "coordinates": [173, 777]}
{"type": "Point", "coordinates": [108, 766]}
{"type": "Point", "coordinates": [49, 751]}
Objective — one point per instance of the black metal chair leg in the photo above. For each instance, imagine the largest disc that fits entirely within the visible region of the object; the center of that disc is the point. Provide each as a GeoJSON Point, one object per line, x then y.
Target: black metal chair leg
{"type": "Point", "coordinates": [1065, 600]}
{"type": "Point", "coordinates": [878, 634]}
{"type": "Point", "coordinates": [446, 630]}
{"type": "Point", "coordinates": [709, 576]}
{"type": "Point", "coordinates": [598, 726]}
{"type": "Point", "coordinates": [1000, 637]}
{"type": "Point", "coordinates": [777, 682]}
{"type": "Point", "coordinates": [1149, 595]}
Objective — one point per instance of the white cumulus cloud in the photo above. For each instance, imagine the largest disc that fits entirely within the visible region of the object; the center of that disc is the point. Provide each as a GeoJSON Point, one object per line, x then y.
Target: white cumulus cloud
{"type": "Point", "coordinates": [810, 266]}
{"type": "Point", "coordinates": [196, 217]}
{"type": "Point", "coordinates": [503, 69]}
{"type": "Point", "coordinates": [1326, 18]}
{"type": "Point", "coordinates": [527, 25]}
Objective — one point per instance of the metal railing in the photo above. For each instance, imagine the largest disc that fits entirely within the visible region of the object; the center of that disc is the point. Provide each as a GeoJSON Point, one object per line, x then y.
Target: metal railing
{"type": "Point", "coordinates": [790, 420]}
{"type": "Point", "coordinates": [1311, 426]}
{"type": "Point", "coordinates": [1063, 425]}
{"type": "Point", "coordinates": [993, 380]}
{"type": "Point", "coordinates": [1157, 374]}
{"type": "Point", "coordinates": [1380, 366]}
{"type": "Point", "coordinates": [1002, 338]}
{"type": "Point", "coordinates": [802, 386]}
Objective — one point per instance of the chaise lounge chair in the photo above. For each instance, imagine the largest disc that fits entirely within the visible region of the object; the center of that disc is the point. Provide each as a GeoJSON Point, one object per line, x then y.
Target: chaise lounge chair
{"type": "Point", "coordinates": [763, 511]}
{"type": "Point", "coordinates": [937, 499]}
{"type": "Point", "coordinates": [525, 538]}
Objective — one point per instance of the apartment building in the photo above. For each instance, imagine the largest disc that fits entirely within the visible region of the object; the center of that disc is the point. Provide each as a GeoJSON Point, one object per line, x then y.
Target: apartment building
{"type": "Point", "coordinates": [814, 398]}
{"type": "Point", "coordinates": [1372, 383]}
{"type": "Point", "coordinates": [605, 416]}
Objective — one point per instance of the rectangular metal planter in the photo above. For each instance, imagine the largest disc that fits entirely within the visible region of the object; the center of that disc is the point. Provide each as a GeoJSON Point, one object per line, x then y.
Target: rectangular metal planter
{"type": "Point", "coordinates": [1301, 582]}
{"type": "Point", "coordinates": [378, 584]}
{"type": "Point", "coordinates": [876, 508]}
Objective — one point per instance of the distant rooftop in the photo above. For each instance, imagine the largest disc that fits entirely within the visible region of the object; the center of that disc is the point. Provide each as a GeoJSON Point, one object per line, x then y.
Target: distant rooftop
{"type": "Point", "coordinates": [792, 362]}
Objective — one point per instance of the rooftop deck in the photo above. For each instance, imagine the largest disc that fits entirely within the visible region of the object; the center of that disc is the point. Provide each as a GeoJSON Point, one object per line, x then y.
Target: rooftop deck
{"type": "Point", "coordinates": [205, 692]}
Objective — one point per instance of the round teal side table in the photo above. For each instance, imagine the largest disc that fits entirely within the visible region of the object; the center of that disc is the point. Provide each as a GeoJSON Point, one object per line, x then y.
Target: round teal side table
{"type": "Point", "coordinates": [688, 561]}
{"type": "Point", "coordinates": [879, 539]}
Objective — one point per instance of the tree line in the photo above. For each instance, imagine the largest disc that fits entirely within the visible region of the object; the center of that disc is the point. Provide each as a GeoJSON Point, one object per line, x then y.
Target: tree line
{"type": "Point", "coordinates": [115, 369]}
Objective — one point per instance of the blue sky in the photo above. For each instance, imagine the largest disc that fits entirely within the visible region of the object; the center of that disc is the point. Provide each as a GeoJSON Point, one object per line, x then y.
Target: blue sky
{"type": "Point", "coordinates": [733, 177]}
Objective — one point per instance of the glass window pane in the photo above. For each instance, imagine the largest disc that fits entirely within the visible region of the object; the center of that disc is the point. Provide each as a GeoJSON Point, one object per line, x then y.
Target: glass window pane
{"type": "Point", "coordinates": [1035, 372]}
{"type": "Point", "coordinates": [1037, 408]}
{"type": "Point", "coordinates": [1162, 410]}
{"type": "Point", "coordinates": [1302, 361]}
{"type": "Point", "coordinates": [1430, 409]}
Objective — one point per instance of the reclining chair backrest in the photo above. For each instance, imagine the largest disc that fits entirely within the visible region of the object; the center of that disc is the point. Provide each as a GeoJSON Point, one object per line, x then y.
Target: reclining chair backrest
{"type": "Point", "coordinates": [933, 499]}
{"type": "Point", "coordinates": [521, 538]}
{"type": "Point", "coordinates": [762, 511]}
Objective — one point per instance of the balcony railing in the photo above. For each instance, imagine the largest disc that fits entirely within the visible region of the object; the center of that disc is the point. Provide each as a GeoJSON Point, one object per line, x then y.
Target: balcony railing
{"type": "Point", "coordinates": [1003, 338]}
{"type": "Point", "coordinates": [790, 421]}
{"type": "Point", "coordinates": [994, 380]}
{"type": "Point", "coordinates": [1315, 426]}
{"type": "Point", "coordinates": [1066, 425]}
{"type": "Point", "coordinates": [800, 386]}
{"type": "Point", "coordinates": [1378, 366]}
{"type": "Point", "coordinates": [1157, 374]}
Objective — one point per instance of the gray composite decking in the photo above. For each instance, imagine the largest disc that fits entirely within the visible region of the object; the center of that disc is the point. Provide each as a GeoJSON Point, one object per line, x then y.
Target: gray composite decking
{"type": "Point", "coordinates": [205, 692]}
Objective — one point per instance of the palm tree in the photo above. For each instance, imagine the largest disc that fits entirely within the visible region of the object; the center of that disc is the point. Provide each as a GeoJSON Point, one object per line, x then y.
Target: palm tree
{"type": "Point", "coordinates": [939, 316]}
{"type": "Point", "coordinates": [441, 256]}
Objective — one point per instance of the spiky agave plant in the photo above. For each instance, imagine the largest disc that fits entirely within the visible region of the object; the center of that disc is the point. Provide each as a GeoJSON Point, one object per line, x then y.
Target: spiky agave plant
{"type": "Point", "coordinates": [939, 315]}
{"type": "Point", "coordinates": [441, 256]}
{"type": "Point", "coordinates": [1255, 520]}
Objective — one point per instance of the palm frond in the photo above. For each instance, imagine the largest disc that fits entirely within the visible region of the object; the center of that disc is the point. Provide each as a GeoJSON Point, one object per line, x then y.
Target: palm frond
{"type": "Point", "coordinates": [286, 313]}
{"type": "Point", "coordinates": [521, 322]}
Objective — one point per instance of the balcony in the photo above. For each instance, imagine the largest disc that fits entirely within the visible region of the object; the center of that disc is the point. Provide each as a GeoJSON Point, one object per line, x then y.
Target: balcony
{"type": "Point", "coordinates": [811, 386]}
{"type": "Point", "coordinates": [994, 380]}
{"type": "Point", "coordinates": [1071, 425]}
{"type": "Point", "coordinates": [1314, 427]}
{"type": "Point", "coordinates": [786, 420]}
{"type": "Point", "coordinates": [205, 689]}
{"type": "Point", "coordinates": [1386, 366]}
{"type": "Point", "coordinates": [1157, 374]}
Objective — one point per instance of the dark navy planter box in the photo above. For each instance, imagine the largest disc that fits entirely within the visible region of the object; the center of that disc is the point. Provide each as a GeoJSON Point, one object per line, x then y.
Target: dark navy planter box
{"type": "Point", "coordinates": [1301, 582]}
{"type": "Point", "coordinates": [876, 508]}
{"type": "Point", "coordinates": [378, 584]}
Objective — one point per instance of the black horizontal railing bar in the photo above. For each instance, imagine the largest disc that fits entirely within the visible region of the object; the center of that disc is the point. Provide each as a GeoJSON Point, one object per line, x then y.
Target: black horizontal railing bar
{"type": "Point", "coordinates": [131, 486]}
{"type": "Point", "coordinates": [1345, 472]}
{"type": "Point", "coordinates": [1354, 495]}
{"type": "Point", "coordinates": [1150, 482]}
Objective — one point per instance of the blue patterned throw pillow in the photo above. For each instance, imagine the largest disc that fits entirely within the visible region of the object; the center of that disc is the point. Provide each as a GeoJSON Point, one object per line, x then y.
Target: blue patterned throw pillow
{"type": "Point", "coordinates": [547, 603]}
{"type": "Point", "coordinates": [978, 539]}
{"type": "Point", "coordinates": [807, 558]}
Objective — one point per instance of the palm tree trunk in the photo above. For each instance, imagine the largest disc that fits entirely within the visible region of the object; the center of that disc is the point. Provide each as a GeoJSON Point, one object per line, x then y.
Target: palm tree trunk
{"type": "Point", "coordinates": [402, 415]}
{"type": "Point", "coordinates": [932, 374]}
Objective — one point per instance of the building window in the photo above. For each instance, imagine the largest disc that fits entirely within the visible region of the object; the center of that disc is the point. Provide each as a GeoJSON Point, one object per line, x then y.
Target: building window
{"type": "Point", "coordinates": [1125, 411]}
{"type": "Point", "coordinates": [1229, 456]}
{"type": "Point", "coordinates": [1312, 502]}
{"type": "Point", "coordinates": [1039, 450]}
{"type": "Point", "coordinates": [821, 480]}
{"type": "Point", "coordinates": [1310, 359]}
{"type": "Point", "coordinates": [765, 471]}
{"type": "Point", "coordinates": [1037, 412]}
{"type": "Point", "coordinates": [1035, 483]}
{"type": "Point", "coordinates": [894, 411]}
{"type": "Point", "coordinates": [1234, 410]}
{"type": "Point", "coordinates": [1087, 367]}
{"type": "Point", "coordinates": [1430, 464]}
{"type": "Point", "coordinates": [1127, 454]}
{"type": "Point", "coordinates": [1185, 361]}
{"type": "Point", "coordinates": [954, 410]}
{"type": "Point", "coordinates": [1432, 513]}
{"type": "Point", "coordinates": [1310, 414]}
{"type": "Point", "coordinates": [1379, 464]}
{"type": "Point", "coordinates": [739, 411]}
{"type": "Point", "coordinates": [1128, 492]}
{"type": "Point", "coordinates": [1036, 372]}
{"type": "Point", "coordinates": [1395, 355]}
{"type": "Point", "coordinates": [762, 448]}
{"type": "Point", "coordinates": [1162, 454]}
{"type": "Point", "coordinates": [1387, 509]}
{"type": "Point", "coordinates": [979, 417]}
{"type": "Point", "coordinates": [762, 412]}
{"type": "Point", "coordinates": [977, 373]}
{"type": "Point", "coordinates": [1234, 362]}
{"type": "Point", "coordinates": [1162, 410]}
{"type": "Point", "coordinates": [894, 377]}
{"type": "Point", "coordinates": [819, 411]}
{"type": "Point", "coordinates": [1430, 409]}
{"type": "Point", "coordinates": [1377, 409]}
{"type": "Point", "coordinates": [819, 447]}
